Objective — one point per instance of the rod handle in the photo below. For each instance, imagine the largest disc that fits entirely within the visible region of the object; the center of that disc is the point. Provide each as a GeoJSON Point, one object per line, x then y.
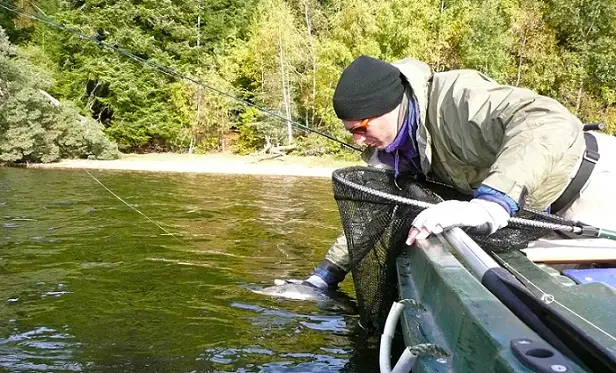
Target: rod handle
{"type": "Point", "coordinates": [607, 233]}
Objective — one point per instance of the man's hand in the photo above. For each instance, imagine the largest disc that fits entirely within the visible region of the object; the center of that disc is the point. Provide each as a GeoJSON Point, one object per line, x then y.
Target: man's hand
{"type": "Point", "coordinates": [448, 214]}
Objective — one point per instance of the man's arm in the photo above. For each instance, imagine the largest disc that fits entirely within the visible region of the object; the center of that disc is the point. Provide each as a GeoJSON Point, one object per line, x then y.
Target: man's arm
{"type": "Point", "coordinates": [338, 254]}
{"type": "Point", "coordinates": [334, 267]}
{"type": "Point", "coordinates": [537, 141]}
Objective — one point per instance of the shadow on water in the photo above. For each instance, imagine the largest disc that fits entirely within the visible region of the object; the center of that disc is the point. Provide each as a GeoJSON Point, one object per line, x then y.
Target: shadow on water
{"type": "Point", "coordinates": [88, 284]}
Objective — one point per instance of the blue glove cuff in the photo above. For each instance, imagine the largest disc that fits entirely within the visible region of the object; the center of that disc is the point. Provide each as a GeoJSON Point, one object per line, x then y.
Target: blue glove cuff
{"type": "Point", "coordinates": [489, 194]}
{"type": "Point", "coordinates": [330, 273]}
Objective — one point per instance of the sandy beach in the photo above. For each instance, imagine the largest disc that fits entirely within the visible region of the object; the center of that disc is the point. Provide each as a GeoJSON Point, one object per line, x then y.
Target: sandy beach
{"type": "Point", "coordinates": [218, 163]}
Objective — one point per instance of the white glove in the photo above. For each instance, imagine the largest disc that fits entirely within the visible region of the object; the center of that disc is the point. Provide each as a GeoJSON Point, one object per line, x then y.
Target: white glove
{"type": "Point", "coordinates": [454, 213]}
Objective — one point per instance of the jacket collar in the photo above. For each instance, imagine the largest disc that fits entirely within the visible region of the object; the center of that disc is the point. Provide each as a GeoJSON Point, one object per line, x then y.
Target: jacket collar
{"type": "Point", "coordinates": [418, 75]}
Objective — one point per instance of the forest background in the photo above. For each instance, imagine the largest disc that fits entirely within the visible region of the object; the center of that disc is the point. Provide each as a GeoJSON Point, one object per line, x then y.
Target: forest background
{"type": "Point", "coordinates": [61, 96]}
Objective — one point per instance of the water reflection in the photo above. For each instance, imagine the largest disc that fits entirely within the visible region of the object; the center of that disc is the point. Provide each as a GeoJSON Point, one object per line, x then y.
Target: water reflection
{"type": "Point", "coordinates": [87, 284]}
{"type": "Point", "coordinates": [40, 349]}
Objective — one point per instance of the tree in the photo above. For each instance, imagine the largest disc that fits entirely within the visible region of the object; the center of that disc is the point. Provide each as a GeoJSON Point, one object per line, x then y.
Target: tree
{"type": "Point", "coordinates": [451, 26]}
{"type": "Point", "coordinates": [486, 47]}
{"type": "Point", "coordinates": [273, 60]}
{"type": "Point", "coordinates": [602, 72]}
{"type": "Point", "coordinates": [579, 25]}
{"type": "Point", "coordinates": [17, 28]}
{"type": "Point", "coordinates": [538, 63]}
{"type": "Point", "coordinates": [134, 102]}
{"type": "Point", "coordinates": [34, 127]}
{"type": "Point", "coordinates": [209, 112]}
{"type": "Point", "coordinates": [406, 29]}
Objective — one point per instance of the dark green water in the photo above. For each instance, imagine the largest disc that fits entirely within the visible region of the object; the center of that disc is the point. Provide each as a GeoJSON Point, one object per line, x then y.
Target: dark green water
{"type": "Point", "coordinates": [88, 284]}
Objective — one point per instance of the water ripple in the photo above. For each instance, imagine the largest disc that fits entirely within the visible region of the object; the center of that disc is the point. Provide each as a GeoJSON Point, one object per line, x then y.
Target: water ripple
{"type": "Point", "coordinates": [90, 285]}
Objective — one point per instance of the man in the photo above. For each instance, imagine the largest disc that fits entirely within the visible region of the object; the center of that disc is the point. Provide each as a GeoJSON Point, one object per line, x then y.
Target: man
{"type": "Point", "coordinates": [506, 146]}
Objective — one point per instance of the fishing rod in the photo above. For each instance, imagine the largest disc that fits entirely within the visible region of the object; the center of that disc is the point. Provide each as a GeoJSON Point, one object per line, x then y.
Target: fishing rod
{"type": "Point", "coordinates": [566, 225]}
{"type": "Point", "coordinates": [98, 39]}
{"type": "Point", "coordinates": [169, 72]}
{"type": "Point", "coordinates": [575, 227]}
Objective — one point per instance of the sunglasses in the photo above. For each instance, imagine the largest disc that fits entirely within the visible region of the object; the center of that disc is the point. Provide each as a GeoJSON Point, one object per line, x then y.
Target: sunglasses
{"type": "Point", "coordinates": [361, 128]}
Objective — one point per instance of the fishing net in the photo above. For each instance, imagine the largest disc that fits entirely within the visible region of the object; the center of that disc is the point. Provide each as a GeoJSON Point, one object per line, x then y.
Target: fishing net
{"type": "Point", "coordinates": [376, 220]}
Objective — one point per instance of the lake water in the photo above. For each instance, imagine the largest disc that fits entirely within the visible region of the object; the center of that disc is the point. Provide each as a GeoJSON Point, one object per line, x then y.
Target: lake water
{"type": "Point", "coordinates": [89, 284]}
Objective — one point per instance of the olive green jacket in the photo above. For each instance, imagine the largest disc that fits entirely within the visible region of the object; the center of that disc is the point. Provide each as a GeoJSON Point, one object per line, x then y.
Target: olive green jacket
{"type": "Point", "coordinates": [475, 131]}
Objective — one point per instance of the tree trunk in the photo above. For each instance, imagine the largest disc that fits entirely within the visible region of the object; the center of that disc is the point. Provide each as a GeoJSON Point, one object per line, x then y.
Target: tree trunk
{"type": "Point", "coordinates": [517, 82]}
{"type": "Point", "coordinates": [285, 92]}
{"type": "Point", "coordinates": [438, 38]}
{"type": "Point", "coordinates": [579, 98]}
{"type": "Point", "coordinates": [192, 143]}
{"type": "Point", "coordinates": [222, 141]}
{"type": "Point", "coordinates": [520, 61]}
{"type": "Point", "coordinates": [198, 94]}
{"type": "Point", "coordinates": [198, 25]}
{"type": "Point", "coordinates": [314, 64]}
{"type": "Point", "coordinates": [521, 58]}
{"type": "Point", "coordinates": [606, 110]}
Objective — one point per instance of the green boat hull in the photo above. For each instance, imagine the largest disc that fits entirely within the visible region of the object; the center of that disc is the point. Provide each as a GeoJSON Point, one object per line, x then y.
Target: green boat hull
{"type": "Point", "coordinates": [460, 315]}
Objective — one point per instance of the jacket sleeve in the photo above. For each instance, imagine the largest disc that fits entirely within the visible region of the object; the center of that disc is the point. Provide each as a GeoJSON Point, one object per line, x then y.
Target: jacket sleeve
{"type": "Point", "coordinates": [535, 155]}
{"type": "Point", "coordinates": [338, 253]}
{"type": "Point", "coordinates": [536, 142]}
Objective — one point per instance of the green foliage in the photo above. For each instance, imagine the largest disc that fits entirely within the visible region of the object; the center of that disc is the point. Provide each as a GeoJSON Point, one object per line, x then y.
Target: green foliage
{"type": "Point", "coordinates": [273, 60]}
{"type": "Point", "coordinates": [138, 105]}
{"type": "Point", "coordinates": [452, 28]}
{"type": "Point", "coordinates": [578, 23]}
{"type": "Point", "coordinates": [316, 145]}
{"type": "Point", "coordinates": [250, 137]}
{"type": "Point", "coordinates": [35, 129]}
{"type": "Point", "coordinates": [17, 28]}
{"type": "Point", "coordinates": [486, 47]}
{"type": "Point", "coordinates": [583, 27]}
{"type": "Point", "coordinates": [209, 113]}
{"type": "Point", "coordinates": [287, 56]}
{"type": "Point", "coordinates": [602, 69]}
{"type": "Point", "coordinates": [535, 50]}
{"type": "Point", "coordinates": [399, 37]}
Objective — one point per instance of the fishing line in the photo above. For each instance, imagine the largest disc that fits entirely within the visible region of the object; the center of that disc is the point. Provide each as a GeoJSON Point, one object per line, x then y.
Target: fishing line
{"type": "Point", "coordinates": [567, 225]}
{"type": "Point", "coordinates": [517, 274]}
{"type": "Point", "coordinates": [169, 71]}
{"type": "Point", "coordinates": [200, 251]}
{"type": "Point", "coordinates": [135, 209]}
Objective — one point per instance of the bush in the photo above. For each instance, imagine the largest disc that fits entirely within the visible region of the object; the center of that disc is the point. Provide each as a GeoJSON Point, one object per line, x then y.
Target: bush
{"type": "Point", "coordinates": [35, 129]}
{"type": "Point", "coordinates": [317, 145]}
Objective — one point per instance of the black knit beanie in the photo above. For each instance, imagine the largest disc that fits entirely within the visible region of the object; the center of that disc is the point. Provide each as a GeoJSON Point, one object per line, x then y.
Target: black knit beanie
{"type": "Point", "coordinates": [367, 88]}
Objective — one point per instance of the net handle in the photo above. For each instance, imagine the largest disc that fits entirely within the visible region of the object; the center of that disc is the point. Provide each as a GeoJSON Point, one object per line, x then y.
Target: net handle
{"type": "Point", "coordinates": [567, 226]}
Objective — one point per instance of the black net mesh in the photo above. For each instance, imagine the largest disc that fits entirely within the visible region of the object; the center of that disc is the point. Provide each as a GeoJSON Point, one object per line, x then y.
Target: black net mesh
{"type": "Point", "coordinates": [376, 228]}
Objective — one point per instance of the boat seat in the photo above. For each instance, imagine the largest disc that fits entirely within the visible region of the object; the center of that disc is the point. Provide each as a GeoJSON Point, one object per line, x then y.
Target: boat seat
{"type": "Point", "coordinates": [586, 276]}
{"type": "Point", "coordinates": [582, 250]}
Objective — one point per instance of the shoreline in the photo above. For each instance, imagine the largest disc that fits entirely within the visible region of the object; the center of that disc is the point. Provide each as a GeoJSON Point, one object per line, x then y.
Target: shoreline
{"type": "Point", "coordinates": [216, 163]}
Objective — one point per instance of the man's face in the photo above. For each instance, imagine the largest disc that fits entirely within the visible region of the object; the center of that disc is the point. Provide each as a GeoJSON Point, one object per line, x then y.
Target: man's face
{"type": "Point", "coordinates": [377, 132]}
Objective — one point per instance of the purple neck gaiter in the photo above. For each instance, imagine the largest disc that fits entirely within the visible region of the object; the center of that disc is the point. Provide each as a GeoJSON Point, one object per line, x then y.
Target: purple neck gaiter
{"type": "Point", "coordinates": [403, 152]}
